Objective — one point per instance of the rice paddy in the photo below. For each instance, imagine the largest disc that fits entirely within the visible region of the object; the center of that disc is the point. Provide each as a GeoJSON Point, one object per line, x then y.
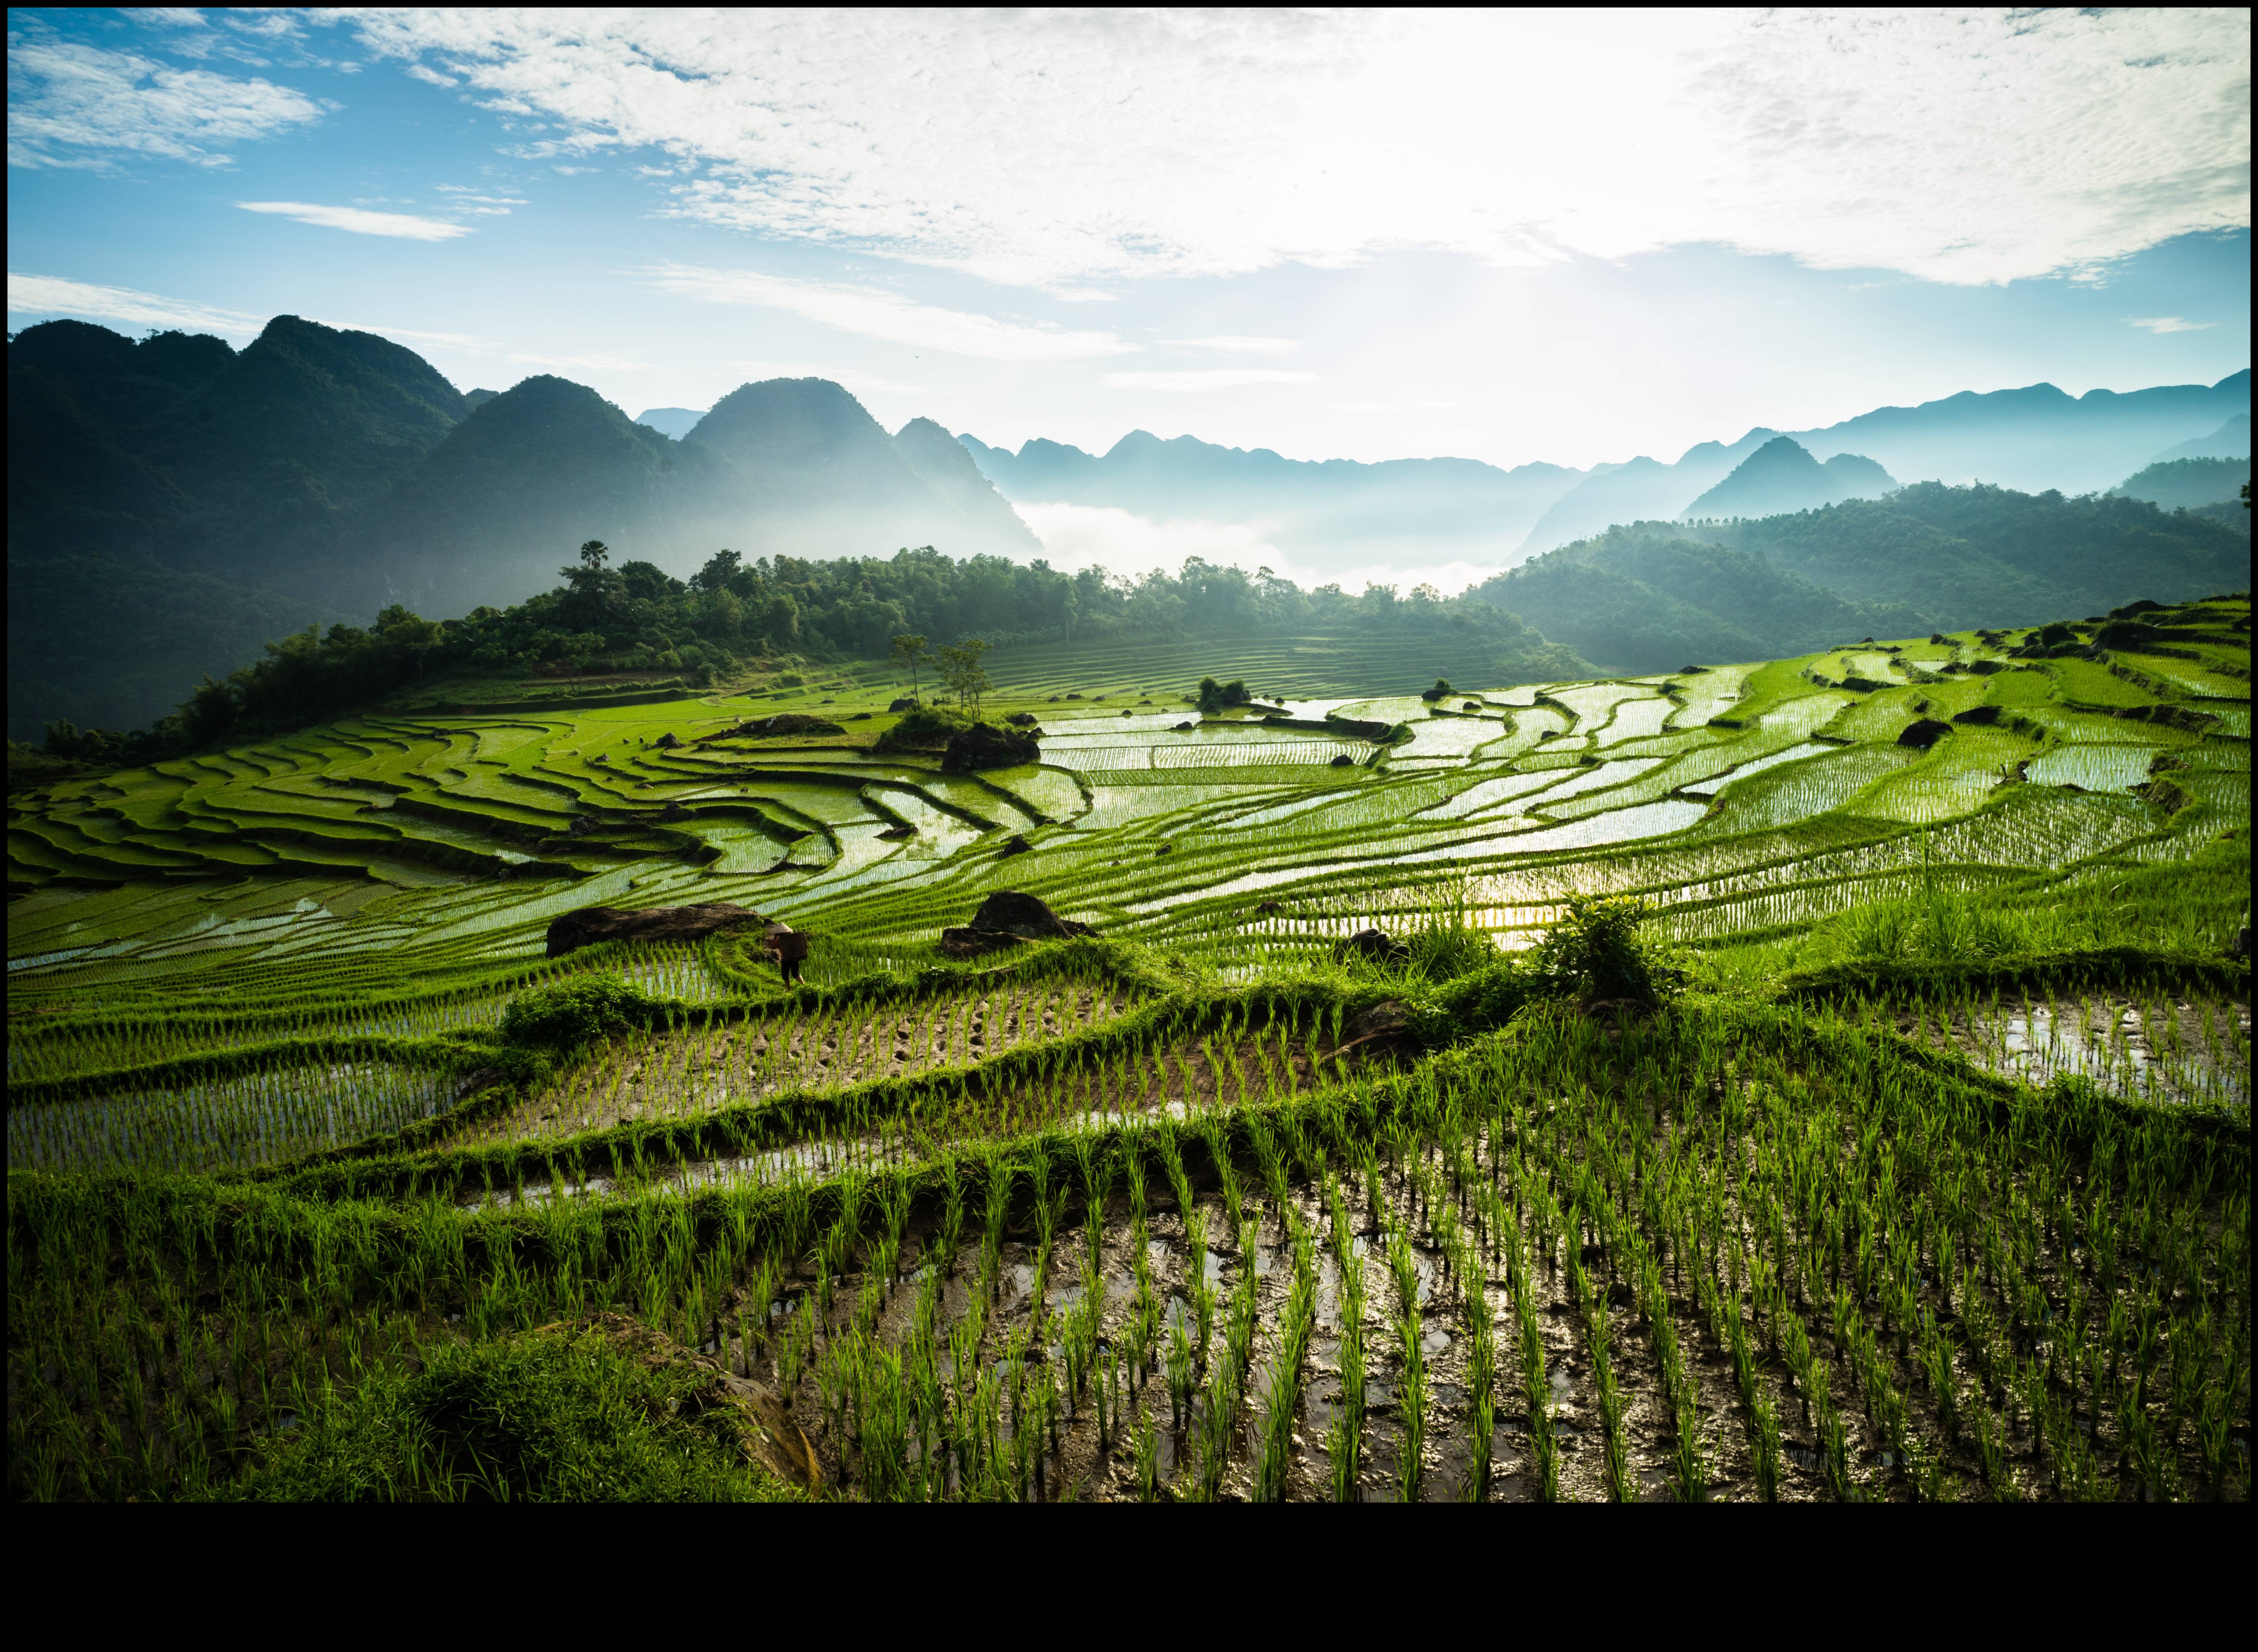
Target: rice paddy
{"type": "Point", "coordinates": [1924, 1176]}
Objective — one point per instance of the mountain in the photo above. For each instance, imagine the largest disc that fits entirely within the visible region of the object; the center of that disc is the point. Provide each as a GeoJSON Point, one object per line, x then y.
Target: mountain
{"type": "Point", "coordinates": [110, 641]}
{"type": "Point", "coordinates": [1641, 489]}
{"type": "Point", "coordinates": [818, 475]}
{"type": "Point", "coordinates": [1781, 475]}
{"type": "Point", "coordinates": [2037, 437]}
{"type": "Point", "coordinates": [1332, 513]}
{"type": "Point", "coordinates": [1650, 596]}
{"type": "Point", "coordinates": [2033, 438]}
{"type": "Point", "coordinates": [673, 422]}
{"type": "Point", "coordinates": [2230, 441]}
{"type": "Point", "coordinates": [941, 463]}
{"type": "Point", "coordinates": [2186, 484]}
{"type": "Point", "coordinates": [1642, 602]}
{"type": "Point", "coordinates": [319, 474]}
{"type": "Point", "coordinates": [248, 466]}
{"type": "Point", "coordinates": [497, 507]}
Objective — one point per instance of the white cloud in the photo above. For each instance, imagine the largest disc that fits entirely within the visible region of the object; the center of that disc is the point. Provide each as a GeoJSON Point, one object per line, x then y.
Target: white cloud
{"type": "Point", "coordinates": [874, 312]}
{"type": "Point", "coordinates": [1202, 380]}
{"type": "Point", "coordinates": [430, 75]}
{"type": "Point", "coordinates": [398, 225]}
{"type": "Point", "coordinates": [2170, 324]}
{"type": "Point", "coordinates": [54, 296]}
{"type": "Point", "coordinates": [70, 105]}
{"type": "Point", "coordinates": [1058, 149]}
{"type": "Point", "coordinates": [1237, 344]}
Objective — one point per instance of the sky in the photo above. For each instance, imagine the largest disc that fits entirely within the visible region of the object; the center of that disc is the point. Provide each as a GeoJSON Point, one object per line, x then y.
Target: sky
{"type": "Point", "coordinates": [1571, 237]}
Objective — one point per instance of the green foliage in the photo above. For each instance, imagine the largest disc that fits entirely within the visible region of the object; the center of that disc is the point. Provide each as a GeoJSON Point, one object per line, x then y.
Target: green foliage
{"type": "Point", "coordinates": [923, 728]}
{"type": "Point", "coordinates": [964, 677]}
{"type": "Point", "coordinates": [546, 1418]}
{"type": "Point", "coordinates": [1651, 596]}
{"type": "Point", "coordinates": [569, 1015]}
{"type": "Point", "coordinates": [1217, 697]}
{"type": "Point", "coordinates": [1596, 952]}
{"type": "Point", "coordinates": [2185, 484]}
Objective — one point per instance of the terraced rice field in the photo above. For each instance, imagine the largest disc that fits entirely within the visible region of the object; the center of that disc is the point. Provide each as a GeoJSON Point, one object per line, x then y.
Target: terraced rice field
{"type": "Point", "coordinates": [1933, 1180]}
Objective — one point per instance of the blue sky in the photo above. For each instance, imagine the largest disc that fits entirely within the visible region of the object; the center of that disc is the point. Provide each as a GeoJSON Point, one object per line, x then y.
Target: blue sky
{"type": "Point", "coordinates": [1509, 237]}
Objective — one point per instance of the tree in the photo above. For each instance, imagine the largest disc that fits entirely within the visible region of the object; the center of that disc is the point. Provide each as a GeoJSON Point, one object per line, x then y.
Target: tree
{"type": "Point", "coordinates": [904, 656]}
{"type": "Point", "coordinates": [725, 615]}
{"type": "Point", "coordinates": [594, 553]}
{"type": "Point", "coordinates": [719, 568]}
{"type": "Point", "coordinates": [962, 671]}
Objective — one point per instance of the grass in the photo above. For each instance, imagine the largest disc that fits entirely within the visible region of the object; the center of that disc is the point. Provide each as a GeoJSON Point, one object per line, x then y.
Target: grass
{"type": "Point", "coordinates": [1928, 1179]}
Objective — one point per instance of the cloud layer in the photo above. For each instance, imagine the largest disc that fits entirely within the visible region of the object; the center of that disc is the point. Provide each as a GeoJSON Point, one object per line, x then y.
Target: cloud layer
{"type": "Point", "coordinates": [398, 225]}
{"type": "Point", "coordinates": [70, 105]}
{"type": "Point", "coordinates": [875, 313]}
{"type": "Point", "coordinates": [1057, 149]}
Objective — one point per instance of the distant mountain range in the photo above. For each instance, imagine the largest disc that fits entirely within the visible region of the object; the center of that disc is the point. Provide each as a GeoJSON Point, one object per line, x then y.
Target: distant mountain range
{"type": "Point", "coordinates": [340, 469]}
{"type": "Point", "coordinates": [318, 474]}
{"type": "Point", "coordinates": [1337, 513]}
{"type": "Point", "coordinates": [172, 503]}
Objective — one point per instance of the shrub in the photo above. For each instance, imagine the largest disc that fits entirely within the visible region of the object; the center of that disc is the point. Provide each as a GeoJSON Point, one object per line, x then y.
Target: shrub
{"type": "Point", "coordinates": [923, 728]}
{"type": "Point", "coordinates": [1216, 697]}
{"type": "Point", "coordinates": [1595, 951]}
{"type": "Point", "coordinates": [535, 1419]}
{"type": "Point", "coordinates": [568, 1016]}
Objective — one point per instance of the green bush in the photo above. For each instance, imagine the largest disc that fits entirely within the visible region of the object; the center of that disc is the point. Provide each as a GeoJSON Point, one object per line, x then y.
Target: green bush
{"type": "Point", "coordinates": [1595, 952]}
{"type": "Point", "coordinates": [544, 1419]}
{"type": "Point", "coordinates": [569, 1015]}
{"type": "Point", "coordinates": [923, 728]}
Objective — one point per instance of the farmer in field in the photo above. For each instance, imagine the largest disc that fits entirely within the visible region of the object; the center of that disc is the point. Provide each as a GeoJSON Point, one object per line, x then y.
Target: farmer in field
{"type": "Point", "coordinates": [790, 948]}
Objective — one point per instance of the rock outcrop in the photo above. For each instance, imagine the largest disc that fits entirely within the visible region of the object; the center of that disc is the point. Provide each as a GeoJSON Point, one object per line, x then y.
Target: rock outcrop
{"type": "Point", "coordinates": [984, 747]}
{"type": "Point", "coordinates": [592, 924]}
{"type": "Point", "coordinates": [1924, 733]}
{"type": "Point", "coordinates": [782, 723]}
{"type": "Point", "coordinates": [1006, 919]}
{"type": "Point", "coordinates": [1375, 946]}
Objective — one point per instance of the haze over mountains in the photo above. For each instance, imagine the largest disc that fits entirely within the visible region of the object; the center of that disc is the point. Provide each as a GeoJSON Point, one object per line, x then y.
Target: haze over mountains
{"type": "Point", "coordinates": [1337, 513]}
{"type": "Point", "coordinates": [174, 503]}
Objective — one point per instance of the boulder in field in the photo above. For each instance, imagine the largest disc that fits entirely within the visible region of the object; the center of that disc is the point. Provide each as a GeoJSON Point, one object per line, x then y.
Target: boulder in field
{"type": "Point", "coordinates": [1924, 733]}
{"type": "Point", "coordinates": [592, 924]}
{"type": "Point", "coordinates": [1984, 716]}
{"type": "Point", "coordinates": [984, 747]}
{"type": "Point", "coordinates": [1016, 844]}
{"type": "Point", "coordinates": [666, 742]}
{"type": "Point", "coordinates": [905, 704]}
{"type": "Point", "coordinates": [1375, 946]}
{"type": "Point", "coordinates": [1013, 912]}
{"type": "Point", "coordinates": [1005, 919]}
{"type": "Point", "coordinates": [1021, 719]}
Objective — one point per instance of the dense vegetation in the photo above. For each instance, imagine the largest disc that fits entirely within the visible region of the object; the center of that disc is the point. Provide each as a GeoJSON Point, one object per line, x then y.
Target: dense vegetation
{"type": "Point", "coordinates": [1656, 595]}
{"type": "Point", "coordinates": [2187, 483]}
{"type": "Point", "coordinates": [729, 615]}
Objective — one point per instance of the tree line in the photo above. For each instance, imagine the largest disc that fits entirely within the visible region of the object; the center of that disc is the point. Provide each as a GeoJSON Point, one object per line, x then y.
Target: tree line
{"type": "Point", "coordinates": [732, 614]}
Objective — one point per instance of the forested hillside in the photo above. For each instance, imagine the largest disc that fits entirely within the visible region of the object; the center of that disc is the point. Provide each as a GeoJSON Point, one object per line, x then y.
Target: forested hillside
{"type": "Point", "coordinates": [1654, 596]}
{"type": "Point", "coordinates": [729, 615]}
